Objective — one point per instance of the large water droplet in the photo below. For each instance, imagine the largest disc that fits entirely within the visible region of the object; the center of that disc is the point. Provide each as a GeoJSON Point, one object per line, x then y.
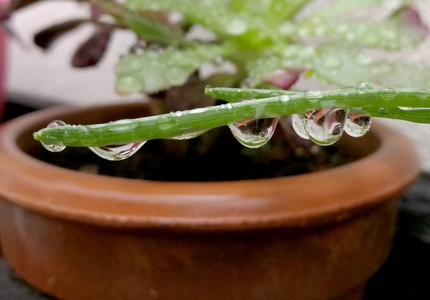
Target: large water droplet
{"type": "Point", "coordinates": [357, 125]}
{"type": "Point", "coordinates": [325, 126]}
{"type": "Point", "coordinates": [51, 147]}
{"type": "Point", "coordinates": [117, 152]}
{"type": "Point", "coordinates": [298, 123]}
{"type": "Point", "coordinates": [254, 133]}
{"type": "Point", "coordinates": [190, 135]}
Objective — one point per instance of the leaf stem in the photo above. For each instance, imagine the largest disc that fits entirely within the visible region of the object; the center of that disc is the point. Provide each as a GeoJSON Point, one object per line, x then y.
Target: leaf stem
{"type": "Point", "coordinates": [402, 103]}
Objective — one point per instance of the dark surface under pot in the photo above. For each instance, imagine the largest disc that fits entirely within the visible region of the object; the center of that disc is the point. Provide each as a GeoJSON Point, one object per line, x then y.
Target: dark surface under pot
{"type": "Point", "coordinates": [402, 277]}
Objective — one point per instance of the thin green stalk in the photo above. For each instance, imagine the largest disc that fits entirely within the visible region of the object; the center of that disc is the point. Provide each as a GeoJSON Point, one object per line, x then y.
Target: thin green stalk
{"type": "Point", "coordinates": [379, 102]}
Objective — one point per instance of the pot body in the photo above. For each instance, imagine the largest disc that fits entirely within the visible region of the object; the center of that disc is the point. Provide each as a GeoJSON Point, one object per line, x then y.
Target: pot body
{"type": "Point", "coordinates": [313, 236]}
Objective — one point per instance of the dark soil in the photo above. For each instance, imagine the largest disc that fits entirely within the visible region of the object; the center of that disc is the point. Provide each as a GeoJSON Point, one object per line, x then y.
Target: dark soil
{"type": "Point", "coordinates": [215, 156]}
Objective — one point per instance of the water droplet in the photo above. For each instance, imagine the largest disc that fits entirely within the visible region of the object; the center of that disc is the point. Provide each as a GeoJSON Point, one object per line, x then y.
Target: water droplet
{"type": "Point", "coordinates": [51, 147]}
{"type": "Point", "coordinates": [236, 27]}
{"type": "Point", "coordinates": [117, 152]}
{"type": "Point", "coordinates": [422, 93]}
{"type": "Point", "coordinates": [246, 83]}
{"type": "Point", "coordinates": [363, 59]}
{"type": "Point", "coordinates": [229, 106]}
{"type": "Point", "coordinates": [284, 98]}
{"type": "Point", "coordinates": [383, 111]}
{"type": "Point", "coordinates": [254, 133]}
{"type": "Point", "coordinates": [314, 94]}
{"type": "Point", "coordinates": [190, 135]}
{"type": "Point", "coordinates": [364, 86]}
{"type": "Point", "coordinates": [178, 114]}
{"type": "Point", "coordinates": [388, 94]}
{"type": "Point", "coordinates": [332, 62]}
{"type": "Point", "coordinates": [298, 122]}
{"type": "Point", "coordinates": [357, 125]}
{"type": "Point", "coordinates": [325, 126]}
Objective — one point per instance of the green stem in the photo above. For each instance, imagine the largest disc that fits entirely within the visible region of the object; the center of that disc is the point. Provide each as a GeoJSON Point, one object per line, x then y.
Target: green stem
{"type": "Point", "coordinates": [379, 102]}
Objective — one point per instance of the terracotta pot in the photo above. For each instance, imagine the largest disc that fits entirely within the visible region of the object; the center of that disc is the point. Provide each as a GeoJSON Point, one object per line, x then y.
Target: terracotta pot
{"type": "Point", "coordinates": [314, 236]}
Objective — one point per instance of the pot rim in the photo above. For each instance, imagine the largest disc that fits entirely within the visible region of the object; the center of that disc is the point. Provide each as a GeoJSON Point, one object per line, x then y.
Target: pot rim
{"type": "Point", "coordinates": [301, 200]}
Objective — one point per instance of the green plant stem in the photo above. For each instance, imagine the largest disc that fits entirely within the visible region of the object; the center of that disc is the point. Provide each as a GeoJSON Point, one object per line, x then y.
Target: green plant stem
{"type": "Point", "coordinates": [377, 102]}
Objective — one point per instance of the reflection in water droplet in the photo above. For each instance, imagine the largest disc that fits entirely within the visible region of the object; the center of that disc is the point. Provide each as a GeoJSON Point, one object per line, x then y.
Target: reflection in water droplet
{"type": "Point", "coordinates": [187, 136]}
{"type": "Point", "coordinates": [298, 122]}
{"type": "Point", "coordinates": [357, 125]}
{"type": "Point", "coordinates": [117, 152]}
{"type": "Point", "coordinates": [325, 126]}
{"type": "Point", "coordinates": [51, 147]}
{"type": "Point", "coordinates": [254, 133]}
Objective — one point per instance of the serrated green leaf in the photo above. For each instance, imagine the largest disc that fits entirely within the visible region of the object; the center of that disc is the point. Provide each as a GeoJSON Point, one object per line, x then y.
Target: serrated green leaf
{"type": "Point", "coordinates": [283, 10]}
{"type": "Point", "coordinates": [345, 67]}
{"type": "Point", "coordinates": [340, 8]}
{"type": "Point", "coordinates": [153, 71]}
{"type": "Point", "coordinates": [341, 65]}
{"type": "Point", "coordinates": [291, 56]}
{"type": "Point", "coordinates": [390, 35]}
{"type": "Point", "coordinates": [213, 15]}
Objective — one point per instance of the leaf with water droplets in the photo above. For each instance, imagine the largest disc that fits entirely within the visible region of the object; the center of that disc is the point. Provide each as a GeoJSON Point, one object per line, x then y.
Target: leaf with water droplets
{"type": "Point", "coordinates": [153, 71]}
{"type": "Point", "coordinates": [213, 15]}
{"type": "Point", "coordinates": [390, 34]}
{"type": "Point", "coordinates": [354, 67]}
{"type": "Point", "coordinates": [340, 8]}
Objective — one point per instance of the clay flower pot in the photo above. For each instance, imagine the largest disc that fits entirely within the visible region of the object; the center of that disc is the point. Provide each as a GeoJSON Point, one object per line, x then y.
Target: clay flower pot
{"type": "Point", "coordinates": [315, 236]}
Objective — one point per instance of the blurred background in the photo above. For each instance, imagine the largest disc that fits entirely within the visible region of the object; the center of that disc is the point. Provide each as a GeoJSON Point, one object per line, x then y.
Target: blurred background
{"type": "Point", "coordinates": [40, 78]}
{"type": "Point", "coordinates": [35, 79]}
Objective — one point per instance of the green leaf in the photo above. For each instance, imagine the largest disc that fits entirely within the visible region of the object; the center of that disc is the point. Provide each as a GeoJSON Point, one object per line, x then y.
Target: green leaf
{"type": "Point", "coordinates": [153, 71]}
{"type": "Point", "coordinates": [282, 10]}
{"type": "Point", "coordinates": [290, 56]}
{"type": "Point", "coordinates": [213, 15]}
{"type": "Point", "coordinates": [151, 30]}
{"type": "Point", "coordinates": [340, 8]}
{"type": "Point", "coordinates": [346, 67]}
{"type": "Point", "coordinates": [389, 35]}
{"type": "Point", "coordinates": [340, 65]}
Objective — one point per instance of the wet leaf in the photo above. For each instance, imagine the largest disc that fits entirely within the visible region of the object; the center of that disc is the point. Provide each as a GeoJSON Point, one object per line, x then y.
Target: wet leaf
{"type": "Point", "coordinates": [340, 8]}
{"type": "Point", "coordinates": [391, 35]}
{"type": "Point", "coordinates": [156, 70]}
{"type": "Point", "coordinates": [91, 51]}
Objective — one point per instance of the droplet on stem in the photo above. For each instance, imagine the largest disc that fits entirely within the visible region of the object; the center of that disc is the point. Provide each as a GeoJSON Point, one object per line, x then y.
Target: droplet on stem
{"type": "Point", "coordinates": [325, 126]}
{"type": "Point", "coordinates": [190, 135]}
{"type": "Point", "coordinates": [52, 147]}
{"type": "Point", "coordinates": [357, 125]}
{"type": "Point", "coordinates": [254, 133]}
{"type": "Point", "coordinates": [117, 152]}
{"type": "Point", "coordinates": [298, 122]}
